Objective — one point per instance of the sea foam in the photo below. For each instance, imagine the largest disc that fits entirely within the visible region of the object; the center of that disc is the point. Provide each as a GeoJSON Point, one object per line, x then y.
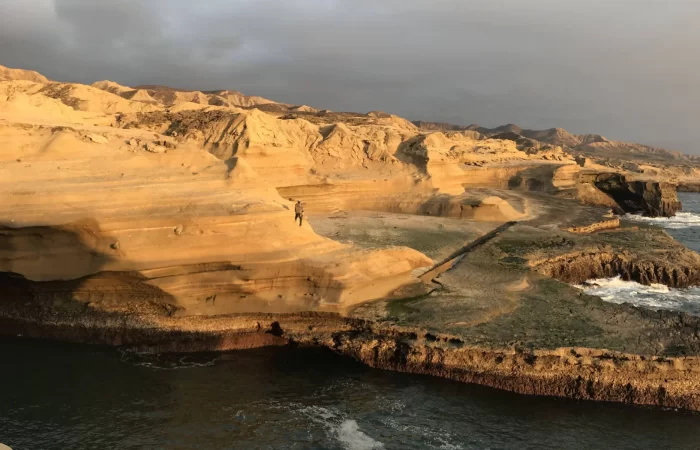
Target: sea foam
{"type": "Point", "coordinates": [337, 426]}
{"type": "Point", "coordinates": [679, 221]}
{"type": "Point", "coordinates": [655, 296]}
{"type": "Point", "coordinates": [352, 438]}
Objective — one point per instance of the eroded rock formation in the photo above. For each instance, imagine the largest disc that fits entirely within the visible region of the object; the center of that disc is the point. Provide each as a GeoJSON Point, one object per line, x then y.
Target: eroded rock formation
{"type": "Point", "coordinates": [200, 233]}
{"type": "Point", "coordinates": [676, 269]}
{"type": "Point", "coordinates": [653, 199]}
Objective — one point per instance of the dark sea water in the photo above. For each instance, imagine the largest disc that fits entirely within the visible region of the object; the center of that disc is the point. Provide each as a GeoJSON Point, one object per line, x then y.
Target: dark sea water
{"type": "Point", "coordinates": [685, 226]}
{"type": "Point", "coordinates": [56, 396]}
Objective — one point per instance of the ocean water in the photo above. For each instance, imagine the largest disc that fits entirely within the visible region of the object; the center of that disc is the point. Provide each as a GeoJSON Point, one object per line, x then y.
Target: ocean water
{"type": "Point", "coordinates": [57, 396]}
{"type": "Point", "coordinates": [685, 228]}
{"type": "Point", "coordinates": [656, 296]}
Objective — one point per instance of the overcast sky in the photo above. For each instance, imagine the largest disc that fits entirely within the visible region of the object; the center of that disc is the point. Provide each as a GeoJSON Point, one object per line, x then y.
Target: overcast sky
{"type": "Point", "coordinates": [627, 69]}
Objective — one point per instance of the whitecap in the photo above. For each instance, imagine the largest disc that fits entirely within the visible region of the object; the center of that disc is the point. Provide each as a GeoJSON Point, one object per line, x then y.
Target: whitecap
{"type": "Point", "coordinates": [656, 296]}
{"type": "Point", "coordinates": [336, 424]}
{"type": "Point", "coordinates": [352, 438]}
{"type": "Point", "coordinates": [679, 221]}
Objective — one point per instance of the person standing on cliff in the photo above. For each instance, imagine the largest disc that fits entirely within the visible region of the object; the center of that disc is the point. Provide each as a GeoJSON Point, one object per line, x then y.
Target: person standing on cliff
{"type": "Point", "coordinates": [298, 212]}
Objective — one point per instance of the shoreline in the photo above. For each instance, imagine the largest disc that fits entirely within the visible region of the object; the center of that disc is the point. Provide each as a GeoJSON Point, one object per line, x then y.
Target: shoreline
{"type": "Point", "coordinates": [642, 373]}
{"type": "Point", "coordinates": [574, 373]}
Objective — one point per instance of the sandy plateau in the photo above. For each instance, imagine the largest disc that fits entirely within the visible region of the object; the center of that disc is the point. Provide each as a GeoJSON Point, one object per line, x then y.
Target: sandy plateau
{"type": "Point", "coordinates": [163, 220]}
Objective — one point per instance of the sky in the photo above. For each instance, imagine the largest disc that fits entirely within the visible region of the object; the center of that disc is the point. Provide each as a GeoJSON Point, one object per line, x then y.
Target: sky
{"type": "Point", "coordinates": [626, 69]}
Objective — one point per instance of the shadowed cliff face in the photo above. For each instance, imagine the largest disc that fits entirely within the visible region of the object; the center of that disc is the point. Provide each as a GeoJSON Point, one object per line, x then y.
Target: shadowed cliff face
{"type": "Point", "coordinates": [651, 199]}
{"type": "Point", "coordinates": [55, 252]}
{"type": "Point", "coordinates": [38, 267]}
{"type": "Point", "coordinates": [90, 263]}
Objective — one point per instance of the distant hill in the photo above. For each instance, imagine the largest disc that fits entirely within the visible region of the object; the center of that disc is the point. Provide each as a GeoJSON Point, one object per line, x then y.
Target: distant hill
{"type": "Point", "coordinates": [158, 87]}
{"type": "Point", "coordinates": [437, 126]}
{"type": "Point", "coordinates": [7, 74]}
{"type": "Point", "coordinates": [591, 145]}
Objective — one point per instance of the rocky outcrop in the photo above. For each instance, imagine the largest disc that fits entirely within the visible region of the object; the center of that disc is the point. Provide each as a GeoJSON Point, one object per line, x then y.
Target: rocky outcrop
{"type": "Point", "coordinates": [454, 160]}
{"type": "Point", "coordinates": [609, 224]}
{"type": "Point", "coordinates": [678, 269]}
{"type": "Point", "coordinates": [576, 373]}
{"type": "Point", "coordinates": [589, 194]}
{"type": "Point", "coordinates": [653, 199]}
{"type": "Point", "coordinates": [394, 196]}
{"type": "Point", "coordinates": [634, 157]}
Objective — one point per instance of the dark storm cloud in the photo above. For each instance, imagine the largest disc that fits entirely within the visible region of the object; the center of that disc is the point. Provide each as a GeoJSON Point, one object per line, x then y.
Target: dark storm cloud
{"type": "Point", "coordinates": [623, 68]}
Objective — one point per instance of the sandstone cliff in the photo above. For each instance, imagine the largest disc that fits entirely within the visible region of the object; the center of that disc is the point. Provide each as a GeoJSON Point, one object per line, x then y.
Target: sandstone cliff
{"type": "Point", "coordinates": [182, 216]}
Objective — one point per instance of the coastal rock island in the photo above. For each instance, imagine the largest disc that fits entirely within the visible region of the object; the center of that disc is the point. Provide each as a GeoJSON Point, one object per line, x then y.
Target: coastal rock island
{"type": "Point", "coordinates": [162, 220]}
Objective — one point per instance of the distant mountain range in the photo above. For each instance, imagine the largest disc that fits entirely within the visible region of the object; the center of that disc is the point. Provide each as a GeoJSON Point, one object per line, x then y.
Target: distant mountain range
{"type": "Point", "coordinates": [593, 145]}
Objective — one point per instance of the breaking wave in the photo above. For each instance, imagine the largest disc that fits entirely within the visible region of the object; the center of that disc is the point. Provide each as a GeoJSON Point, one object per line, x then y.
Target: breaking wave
{"type": "Point", "coordinates": [337, 425]}
{"type": "Point", "coordinates": [655, 296]}
{"type": "Point", "coordinates": [684, 227]}
{"type": "Point", "coordinates": [352, 438]}
{"type": "Point", "coordinates": [679, 221]}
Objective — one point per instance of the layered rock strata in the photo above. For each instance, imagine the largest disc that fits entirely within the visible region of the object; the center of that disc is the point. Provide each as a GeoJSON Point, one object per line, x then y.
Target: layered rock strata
{"type": "Point", "coordinates": [679, 271]}
{"type": "Point", "coordinates": [653, 199]}
{"type": "Point", "coordinates": [79, 203]}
